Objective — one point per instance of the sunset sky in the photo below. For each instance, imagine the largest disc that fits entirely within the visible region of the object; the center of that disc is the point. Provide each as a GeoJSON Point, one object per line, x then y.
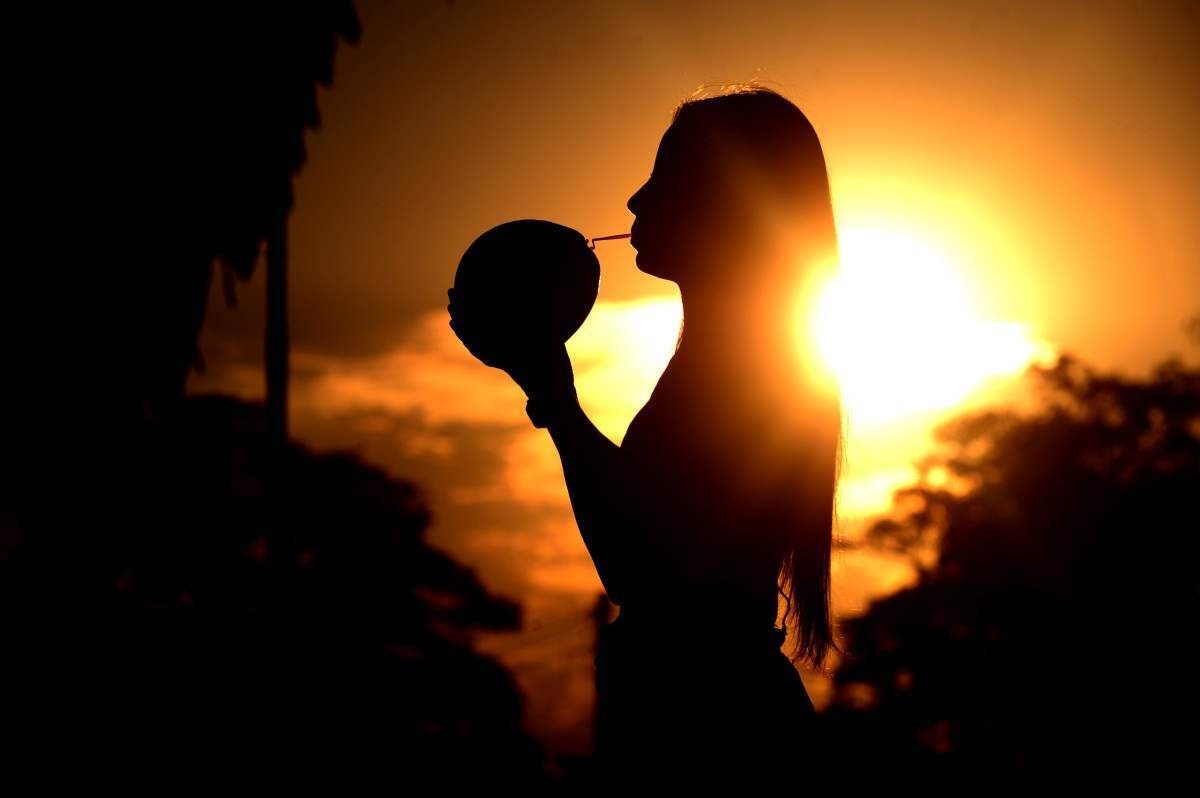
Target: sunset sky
{"type": "Point", "coordinates": [1010, 180]}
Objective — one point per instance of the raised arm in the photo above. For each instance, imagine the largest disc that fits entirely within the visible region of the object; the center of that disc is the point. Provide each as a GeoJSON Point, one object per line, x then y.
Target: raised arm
{"type": "Point", "coordinates": [597, 482]}
{"type": "Point", "coordinates": [593, 466]}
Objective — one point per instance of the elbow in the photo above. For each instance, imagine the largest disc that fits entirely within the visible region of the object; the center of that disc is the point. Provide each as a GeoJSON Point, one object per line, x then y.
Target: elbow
{"type": "Point", "coordinates": [614, 589]}
{"type": "Point", "coordinates": [615, 586]}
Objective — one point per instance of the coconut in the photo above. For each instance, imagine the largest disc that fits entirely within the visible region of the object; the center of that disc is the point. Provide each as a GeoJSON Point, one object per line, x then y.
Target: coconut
{"type": "Point", "coordinates": [525, 283]}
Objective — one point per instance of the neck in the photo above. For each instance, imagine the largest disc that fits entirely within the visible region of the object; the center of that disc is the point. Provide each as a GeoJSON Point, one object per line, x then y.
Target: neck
{"type": "Point", "coordinates": [736, 321]}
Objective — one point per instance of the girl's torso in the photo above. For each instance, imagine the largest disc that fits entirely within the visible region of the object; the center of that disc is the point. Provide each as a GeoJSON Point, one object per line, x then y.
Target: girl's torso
{"type": "Point", "coordinates": [691, 674]}
{"type": "Point", "coordinates": [694, 447]}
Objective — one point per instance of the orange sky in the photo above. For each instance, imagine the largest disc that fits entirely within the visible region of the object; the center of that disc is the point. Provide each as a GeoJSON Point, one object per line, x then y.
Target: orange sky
{"type": "Point", "coordinates": [1045, 152]}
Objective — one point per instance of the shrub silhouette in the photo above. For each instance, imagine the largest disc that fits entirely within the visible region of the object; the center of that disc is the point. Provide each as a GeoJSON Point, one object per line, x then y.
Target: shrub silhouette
{"type": "Point", "coordinates": [334, 633]}
{"type": "Point", "coordinates": [1064, 543]}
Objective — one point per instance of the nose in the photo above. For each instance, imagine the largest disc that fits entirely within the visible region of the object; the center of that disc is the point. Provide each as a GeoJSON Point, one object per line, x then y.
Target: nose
{"type": "Point", "coordinates": [635, 201]}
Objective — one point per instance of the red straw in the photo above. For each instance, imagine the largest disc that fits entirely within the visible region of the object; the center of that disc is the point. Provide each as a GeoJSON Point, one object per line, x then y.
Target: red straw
{"type": "Point", "coordinates": [592, 243]}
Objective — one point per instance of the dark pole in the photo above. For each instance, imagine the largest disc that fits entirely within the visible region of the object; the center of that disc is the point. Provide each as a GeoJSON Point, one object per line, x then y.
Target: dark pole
{"type": "Point", "coordinates": [277, 335]}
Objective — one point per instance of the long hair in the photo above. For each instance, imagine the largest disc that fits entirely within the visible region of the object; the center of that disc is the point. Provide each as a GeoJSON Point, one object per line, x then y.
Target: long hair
{"type": "Point", "coordinates": [776, 174]}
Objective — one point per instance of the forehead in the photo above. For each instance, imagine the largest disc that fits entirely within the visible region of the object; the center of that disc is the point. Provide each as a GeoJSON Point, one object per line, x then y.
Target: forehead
{"type": "Point", "coordinates": [680, 145]}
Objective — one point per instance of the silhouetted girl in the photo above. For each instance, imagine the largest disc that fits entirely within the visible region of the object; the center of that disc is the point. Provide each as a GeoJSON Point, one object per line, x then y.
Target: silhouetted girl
{"type": "Point", "coordinates": [720, 497]}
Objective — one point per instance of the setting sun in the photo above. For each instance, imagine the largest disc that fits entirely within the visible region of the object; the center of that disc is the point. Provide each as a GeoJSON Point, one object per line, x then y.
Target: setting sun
{"type": "Point", "coordinates": [899, 330]}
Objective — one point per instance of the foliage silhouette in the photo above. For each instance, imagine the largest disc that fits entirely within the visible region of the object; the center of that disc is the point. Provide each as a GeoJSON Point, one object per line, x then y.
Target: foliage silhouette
{"type": "Point", "coordinates": [1064, 545]}
{"type": "Point", "coordinates": [177, 596]}
{"type": "Point", "coordinates": [347, 642]}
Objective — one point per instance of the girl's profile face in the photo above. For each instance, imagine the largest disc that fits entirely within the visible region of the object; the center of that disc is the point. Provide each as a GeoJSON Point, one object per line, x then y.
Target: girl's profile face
{"type": "Point", "coordinates": [672, 209]}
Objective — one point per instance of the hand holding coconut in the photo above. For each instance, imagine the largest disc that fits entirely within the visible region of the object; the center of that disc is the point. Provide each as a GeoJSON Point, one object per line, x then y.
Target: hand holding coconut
{"type": "Point", "coordinates": [521, 290]}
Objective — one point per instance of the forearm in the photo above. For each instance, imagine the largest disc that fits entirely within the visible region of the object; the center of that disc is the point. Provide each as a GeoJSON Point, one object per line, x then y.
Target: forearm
{"type": "Point", "coordinates": [592, 469]}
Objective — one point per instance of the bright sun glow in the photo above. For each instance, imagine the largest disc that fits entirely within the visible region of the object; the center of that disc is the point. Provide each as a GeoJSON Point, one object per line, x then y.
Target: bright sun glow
{"type": "Point", "coordinates": [618, 356]}
{"type": "Point", "coordinates": [897, 327]}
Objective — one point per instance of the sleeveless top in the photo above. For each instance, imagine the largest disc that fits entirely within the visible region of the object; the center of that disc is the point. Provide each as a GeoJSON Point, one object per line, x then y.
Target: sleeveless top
{"type": "Point", "coordinates": [691, 682]}
{"type": "Point", "coordinates": [711, 571]}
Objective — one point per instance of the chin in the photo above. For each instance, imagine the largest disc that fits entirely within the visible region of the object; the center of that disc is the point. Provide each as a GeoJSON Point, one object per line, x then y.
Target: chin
{"type": "Point", "coordinates": [647, 266]}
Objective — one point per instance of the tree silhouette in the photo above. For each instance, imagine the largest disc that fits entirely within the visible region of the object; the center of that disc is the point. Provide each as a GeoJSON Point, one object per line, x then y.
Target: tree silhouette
{"type": "Point", "coordinates": [172, 135]}
{"type": "Point", "coordinates": [176, 132]}
{"type": "Point", "coordinates": [1064, 545]}
{"type": "Point", "coordinates": [219, 133]}
{"type": "Point", "coordinates": [353, 647]}
{"type": "Point", "coordinates": [182, 590]}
